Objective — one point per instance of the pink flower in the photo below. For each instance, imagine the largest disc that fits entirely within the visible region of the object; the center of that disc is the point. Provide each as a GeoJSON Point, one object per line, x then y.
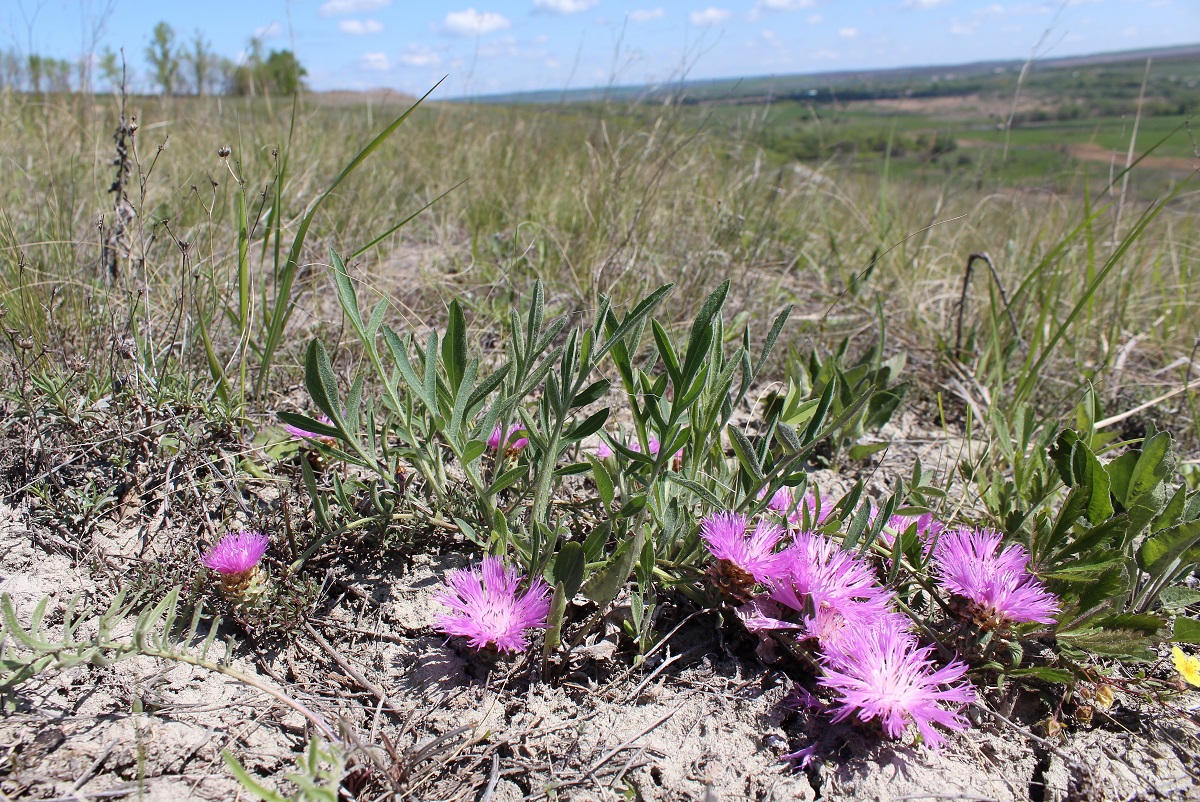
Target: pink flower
{"type": "Point", "coordinates": [783, 503]}
{"type": "Point", "coordinates": [880, 672]}
{"type": "Point", "coordinates": [486, 608]}
{"type": "Point", "coordinates": [237, 553]}
{"type": "Point", "coordinates": [602, 451]}
{"type": "Point", "coordinates": [512, 444]}
{"type": "Point", "coordinates": [725, 534]}
{"type": "Point", "coordinates": [995, 583]}
{"type": "Point", "coordinates": [302, 434]}
{"type": "Point", "coordinates": [654, 449]}
{"type": "Point", "coordinates": [821, 570]}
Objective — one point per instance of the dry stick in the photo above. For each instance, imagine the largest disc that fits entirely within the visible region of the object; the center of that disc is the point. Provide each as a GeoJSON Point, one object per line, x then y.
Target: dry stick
{"type": "Point", "coordinates": [493, 779]}
{"type": "Point", "coordinates": [627, 743]}
{"type": "Point", "coordinates": [1129, 155]}
{"type": "Point", "coordinates": [1100, 424]}
{"type": "Point", "coordinates": [962, 301]}
{"type": "Point", "coordinates": [1070, 761]}
{"type": "Point", "coordinates": [354, 673]}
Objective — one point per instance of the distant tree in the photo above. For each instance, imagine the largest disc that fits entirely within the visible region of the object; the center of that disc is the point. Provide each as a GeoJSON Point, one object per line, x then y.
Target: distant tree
{"type": "Point", "coordinates": [246, 79]}
{"type": "Point", "coordinates": [280, 73]}
{"type": "Point", "coordinates": [283, 73]}
{"type": "Point", "coordinates": [109, 66]}
{"type": "Point", "coordinates": [164, 61]}
{"type": "Point", "coordinates": [202, 63]}
{"type": "Point", "coordinates": [11, 73]}
{"type": "Point", "coordinates": [33, 71]}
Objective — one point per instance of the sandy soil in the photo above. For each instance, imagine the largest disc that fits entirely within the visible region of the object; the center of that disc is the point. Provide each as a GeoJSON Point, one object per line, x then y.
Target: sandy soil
{"type": "Point", "coordinates": [701, 719]}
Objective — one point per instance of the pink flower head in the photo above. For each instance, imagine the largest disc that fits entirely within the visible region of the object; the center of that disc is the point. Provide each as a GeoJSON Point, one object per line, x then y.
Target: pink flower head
{"type": "Point", "coordinates": [928, 529]}
{"type": "Point", "coordinates": [655, 446]}
{"type": "Point", "coordinates": [725, 534]}
{"type": "Point", "coordinates": [237, 552]}
{"type": "Point", "coordinates": [488, 610]}
{"type": "Point", "coordinates": [995, 582]}
{"type": "Point", "coordinates": [818, 568]}
{"type": "Point", "coordinates": [783, 503]}
{"type": "Point", "coordinates": [880, 672]}
{"type": "Point", "coordinates": [602, 451]}
{"type": "Point", "coordinates": [303, 434]}
{"type": "Point", "coordinates": [513, 444]}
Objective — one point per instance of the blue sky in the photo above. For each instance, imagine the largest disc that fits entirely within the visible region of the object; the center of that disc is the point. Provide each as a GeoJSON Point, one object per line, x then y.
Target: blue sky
{"type": "Point", "coordinates": [488, 46]}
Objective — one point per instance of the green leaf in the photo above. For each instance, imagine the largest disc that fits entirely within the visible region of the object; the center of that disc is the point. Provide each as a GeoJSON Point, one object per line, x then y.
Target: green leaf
{"type": "Point", "coordinates": [508, 478]}
{"type": "Point", "coordinates": [1120, 471]}
{"type": "Point", "coordinates": [667, 351]}
{"type": "Point", "coordinates": [1133, 622]}
{"type": "Point", "coordinates": [604, 585]}
{"type": "Point", "coordinates": [1057, 676]}
{"type": "Point", "coordinates": [633, 506]}
{"type": "Point", "coordinates": [587, 427]}
{"type": "Point", "coordinates": [1176, 597]}
{"type": "Point", "coordinates": [1154, 466]}
{"type": "Point", "coordinates": [554, 620]}
{"type": "Point", "coordinates": [860, 451]}
{"type": "Point", "coordinates": [321, 382]}
{"type": "Point", "coordinates": [1159, 551]}
{"type": "Point", "coordinates": [701, 334]}
{"type": "Point", "coordinates": [591, 394]}
{"type": "Point", "coordinates": [569, 567]}
{"type": "Point", "coordinates": [1186, 630]}
{"type": "Point", "coordinates": [697, 488]}
{"type": "Point", "coordinates": [454, 347]}
{"type": "Point", "coordinates": [745, 452]}
{"type": "Point", "coordinates": [604, 483]}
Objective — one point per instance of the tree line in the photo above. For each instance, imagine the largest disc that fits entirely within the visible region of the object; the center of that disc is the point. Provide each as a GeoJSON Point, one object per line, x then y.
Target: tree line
{"type": "Point", "coordinates": [171, 67]}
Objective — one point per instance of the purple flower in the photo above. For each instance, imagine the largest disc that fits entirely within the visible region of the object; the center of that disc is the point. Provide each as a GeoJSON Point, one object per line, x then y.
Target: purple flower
{"type": "Point", "coordinates": [725, 534]}
{"type": "Point", "coordinates": [237, 553]}
{"type": "Point", "coordinates": [821, 570]}
{"type": "Point", "coordinates": [488, 610]}
{"type": "Point", "coordinates": [881, 673]}
{"type": "Point", "coordinates": [994, 583]}
{"type": "Point", "coordinates": [783, 503]}
{"type": "Point", "coordinates": [303, 434]}
{"type": "Point", "coordinates": [602, 451]}
{"type": "Point", "coordinates": [928, 529]}
{"type": "Point", "coordinates": [513, 444]}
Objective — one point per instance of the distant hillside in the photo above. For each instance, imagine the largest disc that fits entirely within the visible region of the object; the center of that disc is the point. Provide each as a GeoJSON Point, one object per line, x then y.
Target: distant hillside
{"type": "Point", "coordinates": [876, 84]}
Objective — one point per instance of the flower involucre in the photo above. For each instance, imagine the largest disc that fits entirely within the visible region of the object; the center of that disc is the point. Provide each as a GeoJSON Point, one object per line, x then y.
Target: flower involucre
{"type": "Point", "coordinates": [725, 534]}
{"type": "Point", "coordinates": [994, 584]}
{"type": "Point", "coordinates": [488, 610]}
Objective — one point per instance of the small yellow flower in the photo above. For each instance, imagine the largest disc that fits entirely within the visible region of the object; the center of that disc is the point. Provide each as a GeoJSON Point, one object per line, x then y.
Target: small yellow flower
{"type": "Point", "coordinates": [1187, 666]}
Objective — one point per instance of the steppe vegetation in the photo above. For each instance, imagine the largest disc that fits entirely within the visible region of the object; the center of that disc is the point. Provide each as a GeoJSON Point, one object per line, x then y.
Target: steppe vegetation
{"type": "Point", "coordinates": [372, 450]}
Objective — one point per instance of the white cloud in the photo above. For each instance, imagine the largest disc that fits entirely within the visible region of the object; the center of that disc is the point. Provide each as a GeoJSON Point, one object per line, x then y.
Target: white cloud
{"type": "Point", "coordinates": [376, 62]}
{"type": "Point", "coordinates": [420, 56]}
{"type": "Point", "coordinates": [709, 16]}
{"type": "Point", "coordinates": [646, 14]}
{"type": "Point", "coordinates": [822, 55]}
{"type": "Point", "coordinates": [847, 33]}
{"type": "Point", "coordinates": [779, 5]}
{"type": "Point", "coordinates": [958, 28]}
{"type": "Point", "coordinates": [815, 19]}
{"type": "Point", "coordinates": [1130, 31]}
{"type": "Point", "coordinates": [357, 27]}
{"type": "Point", "coordinates": [338, 8]}
{"type": "Point", "coordinates": [474, 23]}
{"type": "Point", "coordinates": [925, 4]}
{"type": "Point", "coordinates": [564, 6]}
{"type": "Point", "coordinates": [268, 31]}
